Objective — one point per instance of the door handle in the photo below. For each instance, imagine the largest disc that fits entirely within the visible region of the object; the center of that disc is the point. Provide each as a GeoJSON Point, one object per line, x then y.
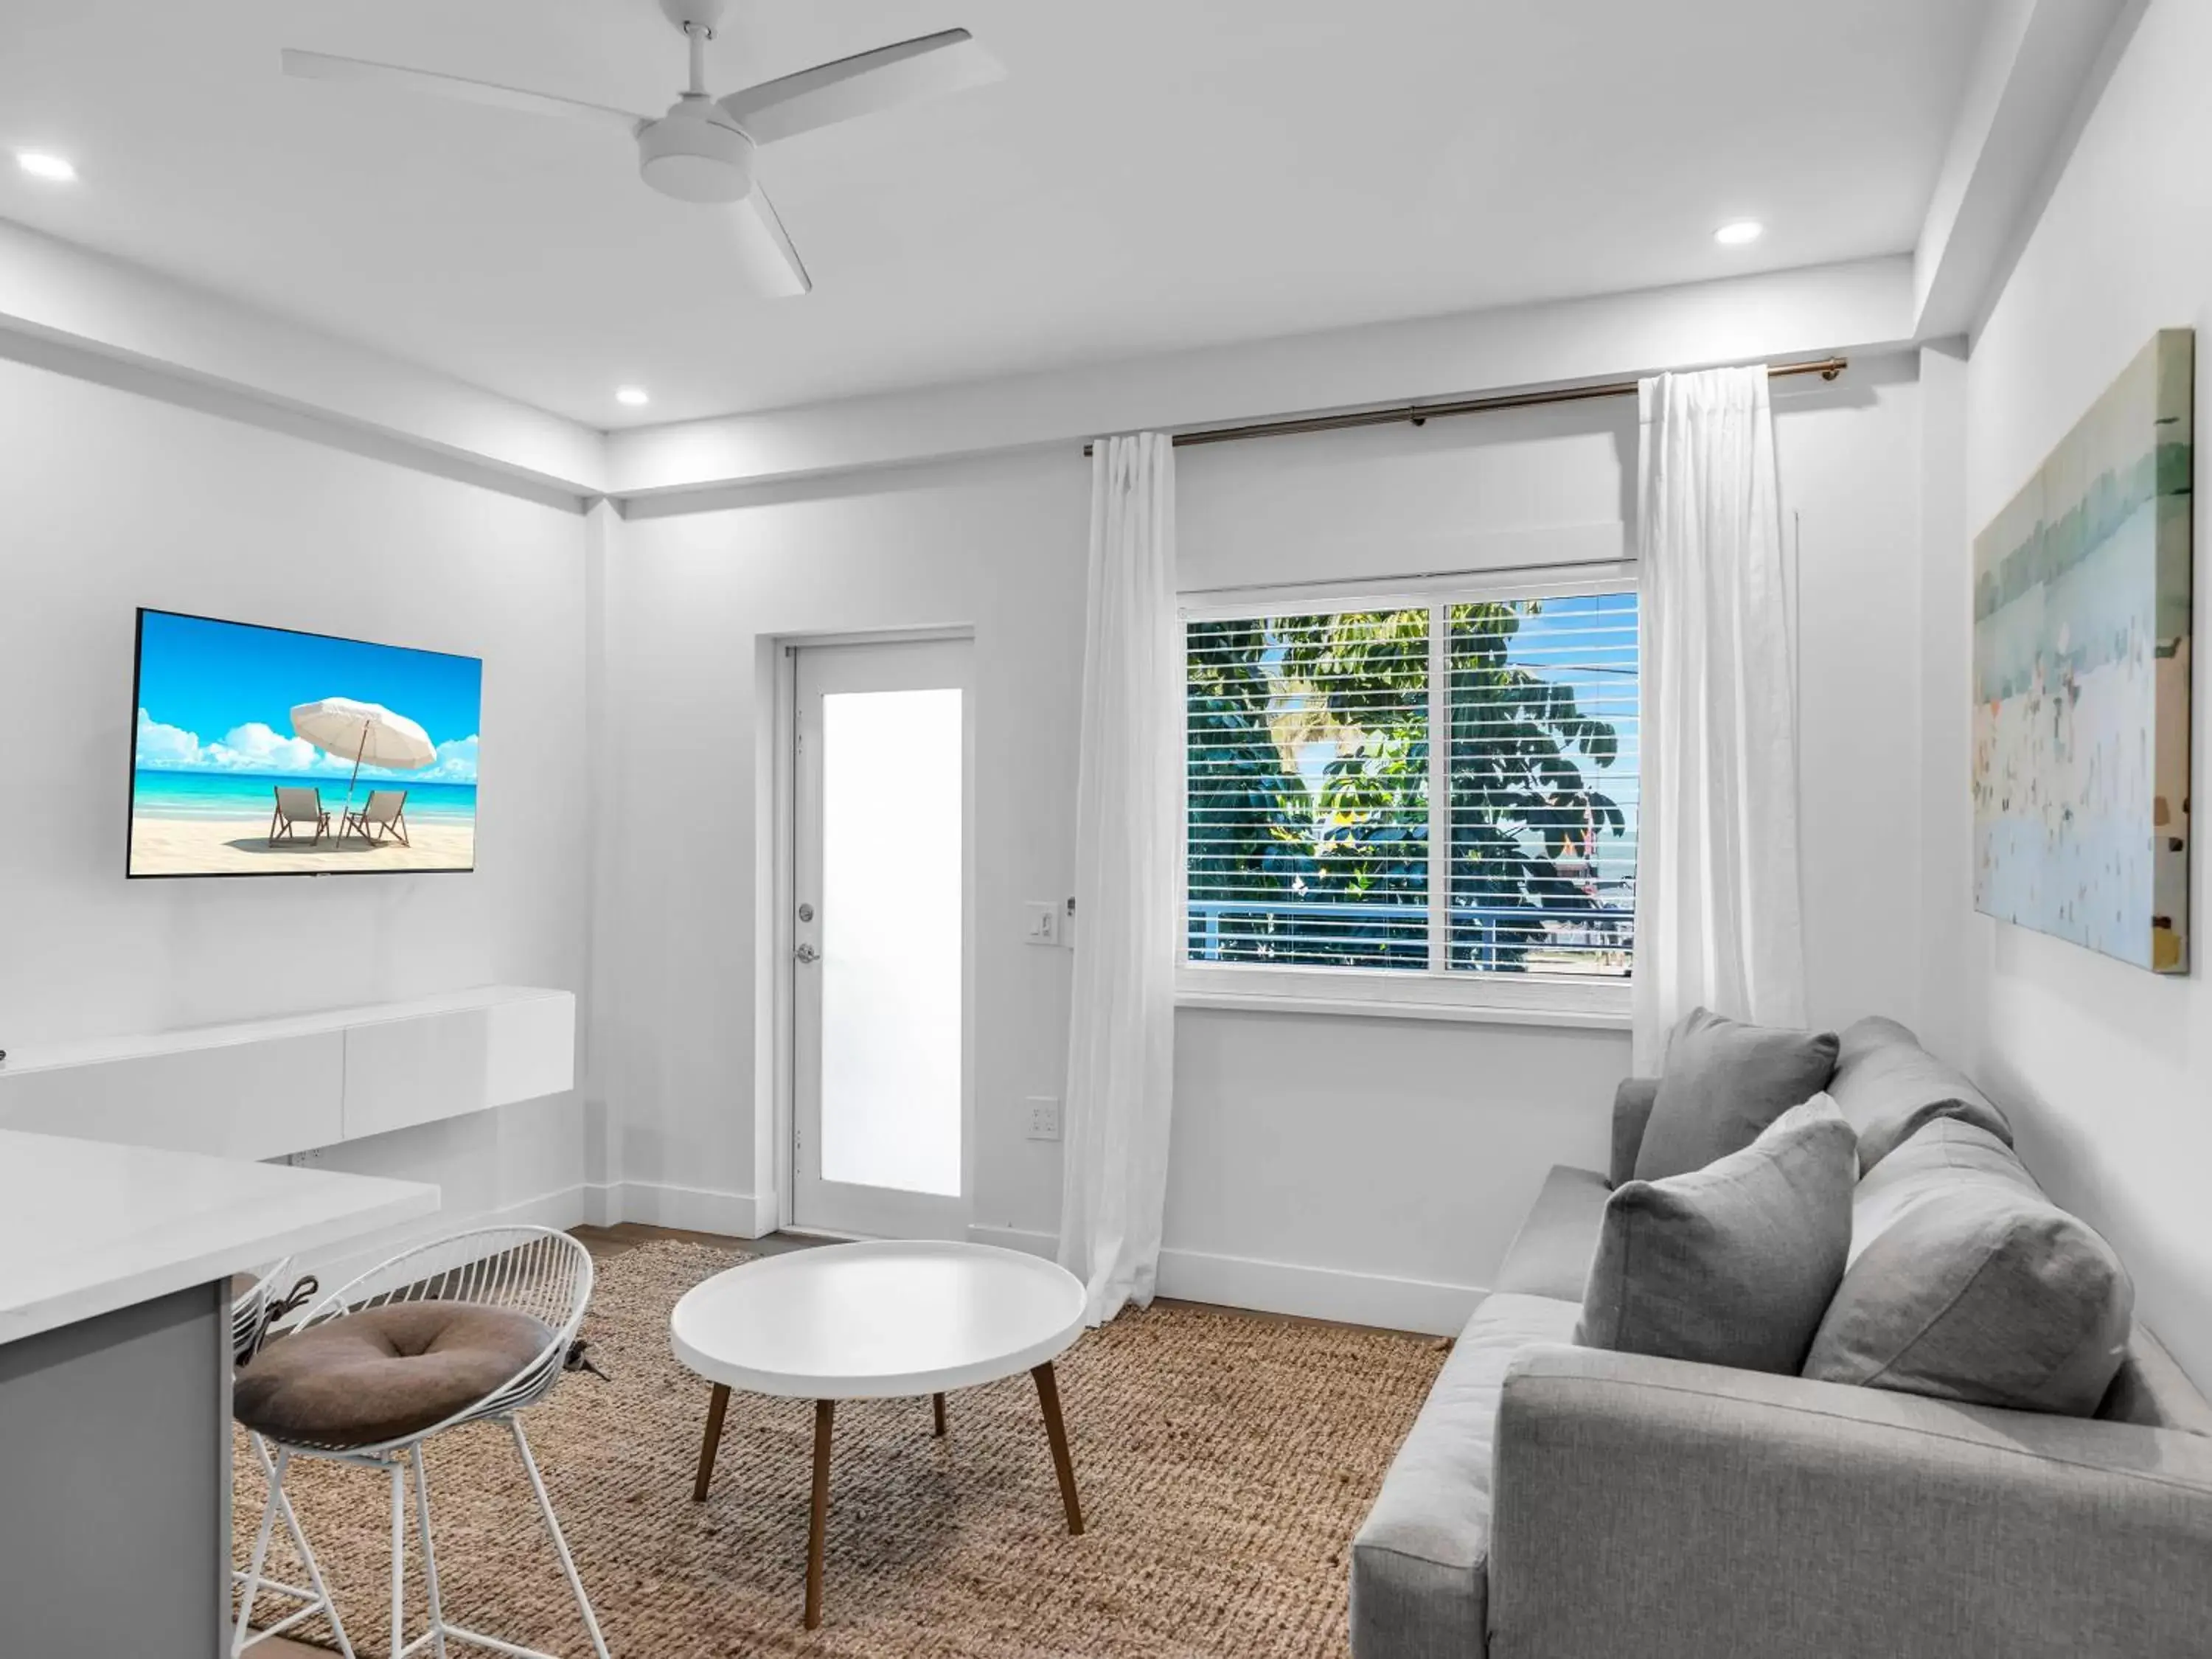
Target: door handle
{"type": "Point", "coordinates": [807, 953]}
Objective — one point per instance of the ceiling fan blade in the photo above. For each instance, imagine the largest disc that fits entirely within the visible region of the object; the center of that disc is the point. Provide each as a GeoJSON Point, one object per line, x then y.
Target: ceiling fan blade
{"type": "Point", "coordinates": [771, 264]}
{"type": "Point", "coordinates": [323, 66]}
{"type": "Point", "coordinates": [950, 61]}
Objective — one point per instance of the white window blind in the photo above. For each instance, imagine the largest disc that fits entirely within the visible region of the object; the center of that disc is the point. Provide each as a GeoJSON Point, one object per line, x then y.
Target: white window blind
{"type": "Point", "coordinates": [1440, 785]}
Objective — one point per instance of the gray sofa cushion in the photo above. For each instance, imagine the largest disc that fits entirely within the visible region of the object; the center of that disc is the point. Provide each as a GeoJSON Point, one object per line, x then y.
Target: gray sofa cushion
{"type": "Point", "coordinates": [1420, 1564]}
{"type": "Point", "coordinates": [1724, 1082]}
{"type": "Point", "coordinates": [2152, 1391]}
{"type": "Point", "coordinates": [1551, 1254]}
{"type": "Point", "coordinates": [1888, 1086]}
{"type": "Point", "coordinates": [1966, 1283]}
{"type": "Point", "coordinates": [1643, 1509]}
{"type": "Point", "coordinates": [1632, 1111]}
{"type": "Point", "coordinates": [1731, 1264]}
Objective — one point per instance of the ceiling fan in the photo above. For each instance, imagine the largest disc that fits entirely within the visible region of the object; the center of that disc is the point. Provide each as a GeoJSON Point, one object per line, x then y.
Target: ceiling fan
{"type": "Point", "coordinates": [702, 149]}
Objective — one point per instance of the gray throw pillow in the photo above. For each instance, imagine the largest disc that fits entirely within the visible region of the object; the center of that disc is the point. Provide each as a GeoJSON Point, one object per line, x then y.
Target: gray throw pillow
{"type": "Point", "coordinates": [1965, 1282]}
{"type": "Point", "coordinates": [1722, 1082]}
{"type": "Point", "coordinates": [1889, 1086]}
{"type": "Point", "coordinates": [1731, 1264]}
{"type": "Point", "coordinates": [1632, 1111]}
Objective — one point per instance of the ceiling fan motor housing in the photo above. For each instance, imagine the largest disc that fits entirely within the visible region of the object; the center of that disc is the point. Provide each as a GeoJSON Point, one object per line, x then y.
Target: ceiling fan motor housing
{"type": "Point", "coordinates": [695, 156]}
{"type": "Point", "coordinates": [687, 14]}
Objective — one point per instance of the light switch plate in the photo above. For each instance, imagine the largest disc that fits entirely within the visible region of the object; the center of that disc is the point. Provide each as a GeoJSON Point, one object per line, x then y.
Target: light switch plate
{"type": "Point", "coordinates": [1044, 1117]}
{"type": "Point", "coordinates": [1041, 923]}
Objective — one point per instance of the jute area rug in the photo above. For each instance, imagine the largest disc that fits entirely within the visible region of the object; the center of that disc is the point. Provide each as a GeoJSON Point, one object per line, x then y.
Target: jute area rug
{"type": "Point", "coordinates": [1223, 1463]}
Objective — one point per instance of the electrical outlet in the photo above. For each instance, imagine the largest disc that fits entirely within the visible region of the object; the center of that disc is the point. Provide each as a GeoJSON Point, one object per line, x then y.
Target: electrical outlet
{"type": "Point", "coordinates": [1044, 1117]}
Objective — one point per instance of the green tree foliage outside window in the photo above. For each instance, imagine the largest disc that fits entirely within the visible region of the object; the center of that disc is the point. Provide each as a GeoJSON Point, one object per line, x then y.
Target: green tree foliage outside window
{"type": "Point", "coordinates": [1310, 772]}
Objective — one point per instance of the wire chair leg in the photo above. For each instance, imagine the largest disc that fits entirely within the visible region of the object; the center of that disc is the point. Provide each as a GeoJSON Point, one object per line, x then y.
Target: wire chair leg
{"type": "Point", "coordinates": [560, 1544]}
{"type": "Point", "coordinates": [398, 1559]}
{"type": "Point", "coordinates": [238, 1632]}
{"type": "Point", "coordinates": [291, 1519]}
{"type": "Point", "coordinates": [429, 1552]}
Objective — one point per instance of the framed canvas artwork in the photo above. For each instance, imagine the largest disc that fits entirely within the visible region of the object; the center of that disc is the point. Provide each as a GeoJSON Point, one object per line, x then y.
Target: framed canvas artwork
{"type": "Point", "coordinates": [2082, 671]}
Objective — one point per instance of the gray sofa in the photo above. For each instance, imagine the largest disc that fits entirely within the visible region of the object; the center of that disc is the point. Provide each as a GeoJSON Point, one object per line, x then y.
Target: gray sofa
{"type": "Point", "coordinates": [1554, 1502]}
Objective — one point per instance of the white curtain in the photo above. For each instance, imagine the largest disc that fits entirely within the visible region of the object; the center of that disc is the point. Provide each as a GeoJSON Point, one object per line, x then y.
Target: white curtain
{"type": "Point", "coordinates": [1121, 1039]}
{"type": "Point", "coordinates": [1717, 887]}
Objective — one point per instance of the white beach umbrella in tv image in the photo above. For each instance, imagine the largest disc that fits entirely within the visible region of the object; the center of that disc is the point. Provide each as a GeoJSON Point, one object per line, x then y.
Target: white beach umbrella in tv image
{"type": "Point", "coordinates": [367, 732]}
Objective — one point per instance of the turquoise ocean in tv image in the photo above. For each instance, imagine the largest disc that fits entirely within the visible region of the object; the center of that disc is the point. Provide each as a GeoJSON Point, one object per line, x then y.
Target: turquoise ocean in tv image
{"type": "Point", "coordinates": [174, 794]}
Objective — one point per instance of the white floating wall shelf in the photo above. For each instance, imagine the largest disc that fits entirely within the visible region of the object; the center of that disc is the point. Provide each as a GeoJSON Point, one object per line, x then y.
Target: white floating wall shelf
{"type": "Point", "coordinates": [261, 1089]}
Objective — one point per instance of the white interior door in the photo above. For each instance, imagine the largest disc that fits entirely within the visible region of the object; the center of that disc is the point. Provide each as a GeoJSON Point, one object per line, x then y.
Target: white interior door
{"type": "Point", "coordinates": [880, 924]}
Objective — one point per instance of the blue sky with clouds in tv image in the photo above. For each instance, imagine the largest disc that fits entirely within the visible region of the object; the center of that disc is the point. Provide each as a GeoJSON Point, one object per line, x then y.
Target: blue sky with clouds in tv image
{"type": "Point", "coordinates": [258, 750]}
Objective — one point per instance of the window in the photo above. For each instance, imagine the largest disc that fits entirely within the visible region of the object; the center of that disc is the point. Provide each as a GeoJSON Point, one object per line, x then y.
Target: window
{"type": "Point", "coordinates": [1335, 852]}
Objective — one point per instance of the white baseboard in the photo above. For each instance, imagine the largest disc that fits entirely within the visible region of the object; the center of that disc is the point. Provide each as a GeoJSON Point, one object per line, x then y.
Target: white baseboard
{"type": "Point", "coordinates": [1349, 1298]}
{"type": "Point", "coordinates": [1235, 1281]}
{"type": "Point", "coordinates": [602, 1203]}
{"type": "Point", "coordinates": [695, 1209]}
{"type": "Point", "coordinates": [1016, 1238]}
{"type": "Point", "coordinates": [1228, 1281]}
{"type": "Point", "coordinates": [592, 1203]}
{"type": "Point", "coordinates": [563, 1207]}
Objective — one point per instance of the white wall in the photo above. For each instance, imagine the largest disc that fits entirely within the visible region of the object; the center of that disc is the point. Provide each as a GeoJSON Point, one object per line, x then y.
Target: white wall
{"type": "Point", "coordinates": [1343, 1167]}
{"type": "Point", "coordinates": [1351, 1168]}
{"type": "Point", "coordinates": [111, 501]}
{"type": "Point", "coordinates": [113, 316]}
{"type": "Point", "coordinates": [1408, 1152]}
{"type": "Point", "coordinates": [1861, 306]}
{"type": "Point", "coordinates": [2107, 1068]}
{"type": "Point", "coordinates": [1387, 1161]}
{"type": "Point", "coordinates": [1850, 456]}
{"type": "Point", "coordinates": [997, 546]}
{"type": "Point", "coordinates": [1947, 816]}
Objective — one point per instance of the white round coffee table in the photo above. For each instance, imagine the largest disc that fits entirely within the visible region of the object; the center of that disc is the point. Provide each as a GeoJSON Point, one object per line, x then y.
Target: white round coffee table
{"type": "Point", "coordinates": [873, 1321]}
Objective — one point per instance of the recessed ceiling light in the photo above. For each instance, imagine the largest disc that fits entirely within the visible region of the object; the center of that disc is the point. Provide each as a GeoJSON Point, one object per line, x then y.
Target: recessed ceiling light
{"type": "Point", "coordinates": [1737, 231]}
{"type": "Point", "coordinates": [41, 164]}
{"type": "Point", "coordinates": [634, 396]}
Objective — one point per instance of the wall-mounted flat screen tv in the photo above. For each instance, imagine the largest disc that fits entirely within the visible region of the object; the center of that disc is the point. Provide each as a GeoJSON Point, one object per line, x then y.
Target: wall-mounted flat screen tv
{"type": "Point", "coordinates": [265, 751]}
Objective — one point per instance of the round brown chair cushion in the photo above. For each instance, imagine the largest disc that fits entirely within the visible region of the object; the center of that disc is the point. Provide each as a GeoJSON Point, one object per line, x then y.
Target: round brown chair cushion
{"type": "Point", "coordinates": [384, 1373]}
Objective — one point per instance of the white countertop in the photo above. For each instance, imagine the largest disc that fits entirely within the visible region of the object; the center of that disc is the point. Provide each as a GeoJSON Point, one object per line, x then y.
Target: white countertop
{"type": "Point", "coordinates": [86, 1227]}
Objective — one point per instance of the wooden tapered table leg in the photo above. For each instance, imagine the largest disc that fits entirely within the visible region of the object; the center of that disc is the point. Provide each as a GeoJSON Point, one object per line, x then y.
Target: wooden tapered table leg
{"type": "Point", "coordinates": [1048, 1388]}
{"type": "Point", "coordinates": [717, 1403]}
{"type": "Point", "coordinates": [824, 1412]}
{"type": "Point", "coordinates": [937, 1405]}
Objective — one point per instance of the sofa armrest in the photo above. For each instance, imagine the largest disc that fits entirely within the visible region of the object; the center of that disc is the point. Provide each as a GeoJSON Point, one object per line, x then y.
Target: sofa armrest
{"type": "Point", "coordinates": [1632, 1111]}
{"type": "Point", "coordinates": [1659, 1508]}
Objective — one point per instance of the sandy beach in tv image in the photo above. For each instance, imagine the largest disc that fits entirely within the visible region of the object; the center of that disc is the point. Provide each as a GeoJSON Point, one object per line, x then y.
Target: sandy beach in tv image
{"type": "Point", "coordinates": [261, 751]}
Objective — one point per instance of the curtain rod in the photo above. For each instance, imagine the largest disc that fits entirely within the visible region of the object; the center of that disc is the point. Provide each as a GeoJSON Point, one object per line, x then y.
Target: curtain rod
{"type": "Point", "coordinates": [1622, 561]}
{"type": "Point", "coordinates": [1826, 367]}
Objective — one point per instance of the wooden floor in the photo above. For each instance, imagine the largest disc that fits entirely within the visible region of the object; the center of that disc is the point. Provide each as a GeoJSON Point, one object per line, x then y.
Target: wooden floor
{"type": "Point", "coordinates": [606, 1243]}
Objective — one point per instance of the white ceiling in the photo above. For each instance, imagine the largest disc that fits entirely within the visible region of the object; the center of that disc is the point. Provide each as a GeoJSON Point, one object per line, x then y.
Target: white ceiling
{"type": "Point", "coordinates": [1152, 174]}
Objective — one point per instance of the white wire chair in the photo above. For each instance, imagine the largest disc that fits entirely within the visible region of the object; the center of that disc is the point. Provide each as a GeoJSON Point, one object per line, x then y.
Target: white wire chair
{"type": "Point", "coordinates": [251, 1312]}
{"type": "Point", "coordinates": [532, 1270]}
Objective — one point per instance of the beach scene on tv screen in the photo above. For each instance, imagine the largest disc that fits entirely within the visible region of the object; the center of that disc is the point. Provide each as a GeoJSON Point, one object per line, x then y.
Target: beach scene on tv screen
{"type": "Point", "coordinates": [260, 751]}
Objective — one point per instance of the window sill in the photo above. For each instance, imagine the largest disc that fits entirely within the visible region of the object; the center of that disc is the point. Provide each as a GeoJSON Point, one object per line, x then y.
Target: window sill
{"type": "Point", "coordinates": [1278, 1002]}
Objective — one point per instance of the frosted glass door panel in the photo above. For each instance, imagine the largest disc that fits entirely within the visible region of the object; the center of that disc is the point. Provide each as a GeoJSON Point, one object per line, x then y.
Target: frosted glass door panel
{"type": "Point", "coordinates": [891, 918]}
{"type": "Point", "coordinates": [881, 1067]}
